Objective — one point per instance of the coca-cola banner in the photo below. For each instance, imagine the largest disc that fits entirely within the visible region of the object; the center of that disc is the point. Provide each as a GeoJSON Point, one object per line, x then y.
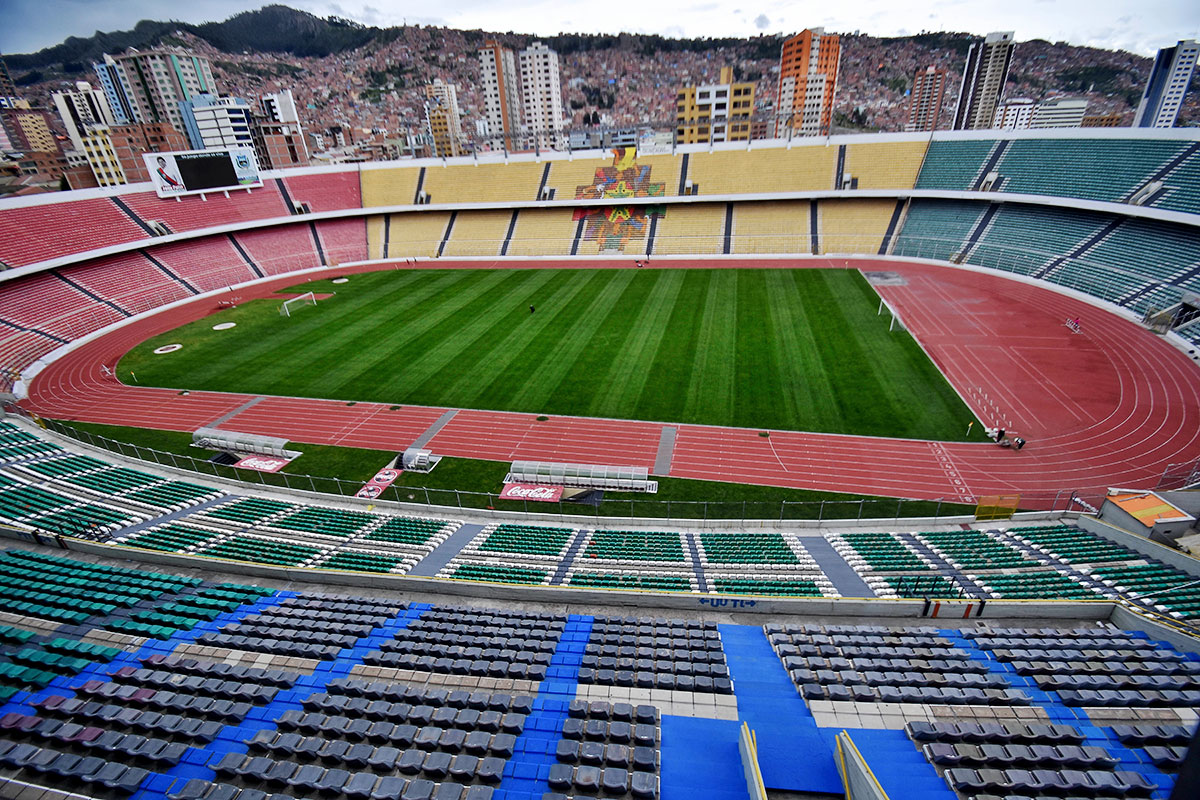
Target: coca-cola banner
{"type": "Point", "coordinates": [263, 463]}
{"type": "Point", "coordinates": [526, 491]}
{"type": "Point", "coordinates": [382, 480]}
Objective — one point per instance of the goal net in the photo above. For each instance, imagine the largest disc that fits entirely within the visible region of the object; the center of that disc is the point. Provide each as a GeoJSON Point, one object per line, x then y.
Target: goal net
{"type": "Point", "coordinates": [306, 299]}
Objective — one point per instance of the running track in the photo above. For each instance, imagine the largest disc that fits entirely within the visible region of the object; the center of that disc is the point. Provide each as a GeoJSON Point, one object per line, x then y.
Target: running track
{"type": "Point", "coordinates": [1111, 406]}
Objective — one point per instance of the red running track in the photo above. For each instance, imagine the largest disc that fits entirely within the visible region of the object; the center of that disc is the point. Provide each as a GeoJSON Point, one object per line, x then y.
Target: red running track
{"type": "Point", "coordinates": [1111, 406]}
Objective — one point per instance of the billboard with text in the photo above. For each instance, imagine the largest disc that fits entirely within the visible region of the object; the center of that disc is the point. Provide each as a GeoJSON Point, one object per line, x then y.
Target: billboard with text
{"type": "Point", "coordinates": [200, 171]}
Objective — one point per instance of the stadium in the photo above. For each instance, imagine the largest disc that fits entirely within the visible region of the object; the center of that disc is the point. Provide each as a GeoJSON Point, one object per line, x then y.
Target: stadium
{"type": "Point", "coordinates": [782, 556]}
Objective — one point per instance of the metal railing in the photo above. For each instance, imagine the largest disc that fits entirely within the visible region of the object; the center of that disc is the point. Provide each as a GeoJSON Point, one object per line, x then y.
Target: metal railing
{"type": "Point", "coordinates": [860, 508]}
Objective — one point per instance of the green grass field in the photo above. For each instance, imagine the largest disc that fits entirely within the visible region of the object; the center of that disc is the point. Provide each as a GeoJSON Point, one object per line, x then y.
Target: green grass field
{"type": "Point", "coordinates": [770, 348]}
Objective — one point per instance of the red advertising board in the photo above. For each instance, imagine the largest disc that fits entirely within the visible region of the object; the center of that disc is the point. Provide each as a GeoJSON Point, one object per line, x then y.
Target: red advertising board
{"type": "Point", "coordinates": [382, 480]}
{"type": "Point", "coordinates": [263, 463]}
{"type": "Point", "coordinates": [526, 491]}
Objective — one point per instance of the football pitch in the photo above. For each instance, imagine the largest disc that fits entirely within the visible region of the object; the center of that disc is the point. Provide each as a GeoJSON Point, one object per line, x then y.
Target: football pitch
{"type": "Point", "coordinates": [760, 348]}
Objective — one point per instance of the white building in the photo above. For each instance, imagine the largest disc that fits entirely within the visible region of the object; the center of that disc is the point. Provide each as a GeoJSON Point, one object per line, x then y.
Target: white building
{"type": "Point", "coordinates": [1015, 114]}
{"type": "Point", "coordinates": [541, 95]}
{"type": "Point", "coordinates": [280, 107]}
{"type": "Point", "coordinates": [1168, 85]}
{"type": "Point", "coordinates": [81, 108]}
{"type": "Point", "coordinates": [1022, 113]}
{"type": "Point", "coordinates": [1059, 112]}
{"type": "Point", "coordinates": [213, 123]}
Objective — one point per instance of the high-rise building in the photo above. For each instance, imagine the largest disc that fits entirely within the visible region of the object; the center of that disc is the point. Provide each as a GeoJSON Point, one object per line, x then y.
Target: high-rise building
{"type": "Point", "coordinates": [29, 130]}
{"type": "Point", "coordinates": [213, 123]}
{"type": "Point", "coordinates": [925, 102]}
{"type": "Point", "coordinates": [148, 87]}
{"type": "Point", "coordinates": [7, 87]}
{"type": "Point", "coordinates": [714, 112]}
{"type": "Point", "coordinates": [983, 81]}
{"type": "Point", "coordinates": [279, 107]}
{"type": "Point", "coordinates": [808, 72]}
{"type": "Point", "coordinates": [1168, 85]}
{"type": "Point", "coordinates": [442, 119]}
{"type": "Point", "coordinates": [541, 96]}
{"type": "Point", "coordinates": [84, 107]}
{"type": "Point", "coordinates": [501, 96]}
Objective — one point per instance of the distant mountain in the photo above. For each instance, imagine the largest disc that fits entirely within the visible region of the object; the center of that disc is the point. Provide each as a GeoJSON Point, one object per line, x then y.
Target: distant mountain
{"type": "Point", "coordinates": [271, 29]}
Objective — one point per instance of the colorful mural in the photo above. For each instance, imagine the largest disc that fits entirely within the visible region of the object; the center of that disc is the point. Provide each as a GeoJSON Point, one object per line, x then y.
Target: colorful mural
{"type": "Point", "coordinates": [612, 227]}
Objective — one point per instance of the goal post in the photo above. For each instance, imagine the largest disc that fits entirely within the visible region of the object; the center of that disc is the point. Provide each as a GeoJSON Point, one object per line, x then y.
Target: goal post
{"type": "Point", "coordinates": [895, 321]}
{"type": "Point", "coordinates": [306, 299]}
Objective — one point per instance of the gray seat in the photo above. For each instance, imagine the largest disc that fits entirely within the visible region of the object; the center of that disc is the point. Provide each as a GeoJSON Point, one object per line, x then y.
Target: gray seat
{"type": "Point", "coordinates": [463, 767]}
{"type": "Point", "coordinates": [561, 776]}
{"type": "Point", "coordinates": [410, 762]}
{"type": "Point", "coordinates": [491, 770]}
{"type": "Point", "coordinates": [566, 751]}
{"type": "Point", "coordinates": [360, 786]}
{"type": "Point", "coordinates": [591, 753]}
{"type": "Point", "coordinates": [389, 787]}
{"type": "Point", "coordinates": [420, 789]}
{"type": "Point", "coordinates": [587, 779]}
{"type": "Point", "coordinates": [615, 780]}
{"type": "Point", "coordinates": [436, 765]}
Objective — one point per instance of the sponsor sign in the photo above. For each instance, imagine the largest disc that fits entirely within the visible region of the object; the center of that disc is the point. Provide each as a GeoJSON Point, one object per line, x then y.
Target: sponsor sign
{"type": "Point", "coordinates": [526, 491]}
{"type": "Point", "coordinates": [263, 463]}
{"type": "Point", "coordinates": [382, 480]}
{"type": "Point", "coordinates": [198, 171]}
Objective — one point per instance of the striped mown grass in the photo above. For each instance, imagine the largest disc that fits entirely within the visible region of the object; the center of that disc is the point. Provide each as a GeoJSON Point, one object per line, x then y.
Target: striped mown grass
{"type": "Point", "coordinates": [770, 348]}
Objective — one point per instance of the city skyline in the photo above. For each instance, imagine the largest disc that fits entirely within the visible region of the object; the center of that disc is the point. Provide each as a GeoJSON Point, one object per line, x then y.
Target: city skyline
{"type": "Point", "coordinates": [1138, 27]}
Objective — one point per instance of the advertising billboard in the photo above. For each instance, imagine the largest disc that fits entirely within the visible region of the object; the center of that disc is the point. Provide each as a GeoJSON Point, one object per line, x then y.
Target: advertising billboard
{"type": "Point", "coordinates": [200, 171]}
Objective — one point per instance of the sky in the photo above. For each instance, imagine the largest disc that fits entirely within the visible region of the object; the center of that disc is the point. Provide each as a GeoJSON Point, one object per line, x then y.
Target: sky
{"type": "Point", "coordinates": [1140, 26]}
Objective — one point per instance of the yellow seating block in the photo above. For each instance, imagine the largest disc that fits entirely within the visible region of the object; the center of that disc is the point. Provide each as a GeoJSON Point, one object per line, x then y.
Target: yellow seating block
{"type": "Point", "coordinates": [691, 229]}
{"type": "Point", "coordinates": [771, 227]}
{"type": "Point", "coordinates": [885, 165]}
{"type": "Point", "coordinates": [375, 237]}
{"type": "Point", "coordinates": [542, 232]}
{"type": "Point", "coordinates": [478, 233]}
{"type": "Point", "coordinates": [806, 168]}
{"type": "Point", "coordinates": [515, 182]}
{"type": "Point", "coordinates": [853, 226]}
{"type": "Point", "coordinates": [417, 234]}
{"type": "Point", "coordinates": [388, 187]}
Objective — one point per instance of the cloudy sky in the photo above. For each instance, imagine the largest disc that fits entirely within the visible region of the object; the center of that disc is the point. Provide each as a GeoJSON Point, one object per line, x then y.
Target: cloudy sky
{"type": "Point", "coordinates": [1141, 26]}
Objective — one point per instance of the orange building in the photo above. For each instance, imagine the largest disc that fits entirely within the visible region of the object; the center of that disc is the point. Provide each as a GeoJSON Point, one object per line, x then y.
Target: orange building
{"type": "Point", "coordinates": [808, 71]}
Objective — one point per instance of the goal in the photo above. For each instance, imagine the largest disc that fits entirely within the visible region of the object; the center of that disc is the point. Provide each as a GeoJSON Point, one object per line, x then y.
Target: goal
{"type": "Point", "coordinates": [306, 299]}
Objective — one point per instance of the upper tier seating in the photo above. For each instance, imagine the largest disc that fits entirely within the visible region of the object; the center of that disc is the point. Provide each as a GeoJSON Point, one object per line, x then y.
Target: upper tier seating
{"type": "Point", "coordinates": [954, 165]}
{"type": "Point", "coordinates": [42, 232]}
{"type": "Point", "coordinates": [206, 211]}
{"type": "Point", "coordinates": [326, 191]}
{"type": "Point", "coordinates": [516, 181]}
{"type": "Point", "coordinates": [1182, 186]}
{"type": "Point", "coordinates": [803, 168]}
{"type": "Point", "coordinates": [1091, 169]}
{"type": "Point", "coordinates": [884, 165]}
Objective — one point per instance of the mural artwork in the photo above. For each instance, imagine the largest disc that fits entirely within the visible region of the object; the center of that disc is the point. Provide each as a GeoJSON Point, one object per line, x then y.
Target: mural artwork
{"type": "Point", "coordinates": [612, 227]}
